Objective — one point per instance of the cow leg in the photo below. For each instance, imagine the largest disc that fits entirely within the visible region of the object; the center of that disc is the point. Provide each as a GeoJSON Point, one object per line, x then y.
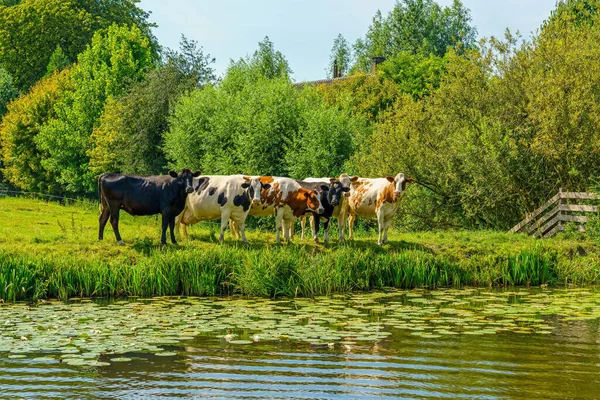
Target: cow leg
{"type": "Point", "coordinates": [387, 225]}
{"type": "Point", "coordinates": [351, 219]}
{"type": "Point", "coordinates": [302, 226]}
{"type": "Point", "coordinates": [380, 226]}
{"type": "Point", "coordinates": [114, 221]}
{"type": "Point", "coordinates": [165, 225]}
{"type": "Point", "coordinates": [172, 229]}
{"type": "Point", "coordinates": [315, 221]}
{"type": "Point", "coordinates": [326, 231]}
{"type": "Point", "coordinates": [278, 224]}
{"type": "Point", "coordinates": [243, 232]}
{"type": "Point", "coordinates": [104, 216]}
{"type": "Point", "coordinates": [225, 214]}
{"type": "Point", "coordinates": [287, 224]}
{"type": "Point", "coordinates": [341, 225]}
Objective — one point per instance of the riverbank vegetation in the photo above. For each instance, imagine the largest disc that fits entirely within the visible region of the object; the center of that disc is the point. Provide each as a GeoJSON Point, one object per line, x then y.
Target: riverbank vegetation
{"type": "Point", "coordinates": [50, 250]}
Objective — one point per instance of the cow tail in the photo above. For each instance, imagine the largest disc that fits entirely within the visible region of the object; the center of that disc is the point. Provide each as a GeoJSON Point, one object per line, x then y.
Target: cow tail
{"type": "Point", "coordinates": [101, 195]}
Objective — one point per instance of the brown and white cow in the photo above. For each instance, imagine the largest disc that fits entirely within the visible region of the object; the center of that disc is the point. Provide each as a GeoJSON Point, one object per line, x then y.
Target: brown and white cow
{"type": "Point", "coordinates": [375, 198]}
{"type": "Point", "coordinates": [224, 198]}
{"type": "Point", "coordinates": [286, 200]}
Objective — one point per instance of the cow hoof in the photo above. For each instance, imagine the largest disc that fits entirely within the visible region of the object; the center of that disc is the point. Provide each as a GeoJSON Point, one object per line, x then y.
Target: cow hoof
{"type": "Point", "coordinates": [121, 243]}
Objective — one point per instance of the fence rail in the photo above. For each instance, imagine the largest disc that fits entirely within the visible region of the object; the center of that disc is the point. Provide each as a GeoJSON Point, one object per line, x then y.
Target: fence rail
{"type": "Point", "coordinates": [548, 219]}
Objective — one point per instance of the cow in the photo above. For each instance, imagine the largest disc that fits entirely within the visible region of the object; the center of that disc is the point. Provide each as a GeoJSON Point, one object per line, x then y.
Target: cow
{"type": "Point", "coordinates": [144, 195]}
{"type": "Point", "coordinates": [224, 198]}
{"type": "Point", "coordinates": [375, 198]}
{"type": "Point", "coordinates": [332, 201]}
{"type": "Point", "coordinates": [286, 200]}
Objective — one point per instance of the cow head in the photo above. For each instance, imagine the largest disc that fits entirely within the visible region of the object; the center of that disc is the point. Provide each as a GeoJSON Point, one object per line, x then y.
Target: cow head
{"type": "Point", "coordinates": [399, 184]}
{"type": "Point", "coordinates": [185, 179]}
{"type": "Point", "coordinates": [336, 191]}
{"type": "Point", "coordinates": [313, 200]}
{"type": "Point", "coordinates": [254, 186]}
{"type": "Point", "coordinates": [346, 183]}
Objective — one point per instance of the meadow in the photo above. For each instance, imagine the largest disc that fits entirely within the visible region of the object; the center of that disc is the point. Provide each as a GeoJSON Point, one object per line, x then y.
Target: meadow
{"type": "Point", "coordinates": [49, 250]}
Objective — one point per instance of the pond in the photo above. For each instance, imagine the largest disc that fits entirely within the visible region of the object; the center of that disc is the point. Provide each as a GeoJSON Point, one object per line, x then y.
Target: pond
{"type": "Point", "coordinates": [469, 343]}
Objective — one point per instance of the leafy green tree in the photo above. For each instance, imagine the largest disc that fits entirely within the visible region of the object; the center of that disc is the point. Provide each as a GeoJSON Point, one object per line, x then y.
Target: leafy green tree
{"type": "Point", "coordinates": [418, 27]}
{"type": "Point", "coordinates": [21, 156]}
{"type": "Point", "coordinates": [31, 30]}
{"type": "Point", "coordinates": [266, 62]}
{"type": "Point", "coordinates": [191, 63]}
{"type": "Point", "coordinates": [341, 55]}
{"type": "Point", "coordinates": [8, 91]}
{"type": "Point", "coordinates": [414, 74]}
{"type": "Point", "coordinates": [105, 69]}
{"type": "Point", "coordinates": [129, 136]}
{"type": "Point", "coordinates": [58, 61]}
{"type": "Point", "coordinates": [325, 139]}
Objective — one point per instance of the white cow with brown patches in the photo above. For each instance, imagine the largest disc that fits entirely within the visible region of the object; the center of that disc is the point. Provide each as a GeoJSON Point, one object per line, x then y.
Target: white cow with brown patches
{"type": "Point", "coordinates": [286, 200]}
{"type": "Point", "coordinates": [375, 198]}
{"type": "Point", "coordinates": [222, 197]}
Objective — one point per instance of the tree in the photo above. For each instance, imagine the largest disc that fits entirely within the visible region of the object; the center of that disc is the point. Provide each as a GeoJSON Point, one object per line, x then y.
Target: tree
{"type": "Point", "coordinates": [58, 61]}
{"type": "Point", "coordinates": [266, 62]}
{"type": "Point", "coordinates": [414, 74]}
{"type": "Point", "coordinates": [129, 136]}
{"type": "Point", "coordinates": [325, 139]}
{"type": "Point", "coordinates": [191, 63]}
{"type": "Point", "coordinates": [110, 64]}
{"type": "Point", "coordinates": [418, 27]}
{"type": "Point", "coordinates": [8, 91]}
{"type": "Point", "coordinates": [21, 156]}
{"type": "Point", "coordinates": [31, 30]}
{"type": "Point", "coordinates": [341, 55]}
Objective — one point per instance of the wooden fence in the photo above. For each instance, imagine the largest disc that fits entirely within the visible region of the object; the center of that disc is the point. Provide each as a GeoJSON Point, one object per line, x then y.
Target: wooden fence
{"type": "Point", "coordinates": [549, 218]}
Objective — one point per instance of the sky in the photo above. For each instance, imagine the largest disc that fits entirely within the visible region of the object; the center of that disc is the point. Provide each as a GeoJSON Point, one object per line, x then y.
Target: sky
{"type": "Point", "coordinates": [304, 30]}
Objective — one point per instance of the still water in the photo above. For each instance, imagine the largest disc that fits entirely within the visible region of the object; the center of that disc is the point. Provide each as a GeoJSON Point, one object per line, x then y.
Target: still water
{"type": "Point", "coordinates": [400, 344]}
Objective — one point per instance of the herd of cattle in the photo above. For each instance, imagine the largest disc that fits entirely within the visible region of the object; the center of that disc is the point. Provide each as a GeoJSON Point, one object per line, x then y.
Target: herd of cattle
{"type": "Point", "coordinates": [187, 198]}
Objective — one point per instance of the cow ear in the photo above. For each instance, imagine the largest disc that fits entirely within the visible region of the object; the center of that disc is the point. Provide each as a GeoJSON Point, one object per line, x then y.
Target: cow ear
{"type": "Point", "coordinates": [354, 179]}
{"type": "Point", "coordinates": [345, 189]}
{"type": "Point", "coordinates": [389, 178]}
{"type": "Point", "coordinates": [332, 180]}
{"type": "Point", "coordinates": [266, 186]}
{"type": "Point", "coordinates": [246, 177]}
{"type": "Point", "coordinates": [196, 174]}
{"type": "Point", "coordinates": [324, 187]}
{"type": "Point", "coordinates": [173, 174]}
{"type": "Point", "coordinates": [246, 185]}
{"type": "Point", "coordinates": [410, 180]}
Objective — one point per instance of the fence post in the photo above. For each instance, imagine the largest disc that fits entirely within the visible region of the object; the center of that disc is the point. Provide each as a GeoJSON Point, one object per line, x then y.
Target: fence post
{"type": "Point", "coordinates": [561, 201]}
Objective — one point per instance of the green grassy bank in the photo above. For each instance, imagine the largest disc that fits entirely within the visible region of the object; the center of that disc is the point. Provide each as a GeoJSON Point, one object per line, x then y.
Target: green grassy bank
{"type": "Point", "coordinates": [50, 250]}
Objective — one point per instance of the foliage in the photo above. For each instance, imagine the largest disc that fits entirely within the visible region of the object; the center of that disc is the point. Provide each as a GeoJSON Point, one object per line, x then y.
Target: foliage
{"type": "Point", "coordinates": [8, 91]}
{"type": "Point", "coordinates": [106, 68]}
{"type": "Point", "coordinates": [21, 156]}
{"type": "Point", "coordinates": [414, 74]}
{"type": "Point", "coordinates": [190, 63]}
{"type": "Point", "coordinates": [58, 61]}
{"type": "Point", "coordinates": [341, 55]}
{"type": "Point", "coordinates": [362, 95]}
{"type": "Point", "coordinates": [31, 30]}
{"type": "Point", "coordinates": [325, 139]}
{"type": "Point", "coordinates": [129, 135]}
{"type": "Point", "coordinates": [418, 27]}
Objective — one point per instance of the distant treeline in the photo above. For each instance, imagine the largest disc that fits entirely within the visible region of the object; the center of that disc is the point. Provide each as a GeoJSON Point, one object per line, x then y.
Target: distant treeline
{"type": "Point", "coordinates": [489, 130]}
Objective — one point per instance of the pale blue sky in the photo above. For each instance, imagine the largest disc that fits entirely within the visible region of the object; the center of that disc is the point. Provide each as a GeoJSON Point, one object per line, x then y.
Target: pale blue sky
{"type": "Point", "coordinates": [304, 30]}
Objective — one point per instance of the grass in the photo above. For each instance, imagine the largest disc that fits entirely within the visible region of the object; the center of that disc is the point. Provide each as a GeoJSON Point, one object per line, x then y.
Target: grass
{"type": "Point", "coordinates": [48, 250]}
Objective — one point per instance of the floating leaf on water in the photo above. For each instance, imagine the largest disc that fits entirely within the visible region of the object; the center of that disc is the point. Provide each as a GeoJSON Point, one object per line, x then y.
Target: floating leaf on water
{"type": "Point", "coordinates": [120, 359]}
{"type": "Point", "coordinates": [165, 354]}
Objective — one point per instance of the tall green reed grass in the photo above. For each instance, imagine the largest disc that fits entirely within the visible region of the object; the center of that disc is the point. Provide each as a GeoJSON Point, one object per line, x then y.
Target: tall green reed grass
{"type": "Point", "coordinates": [267, 271]}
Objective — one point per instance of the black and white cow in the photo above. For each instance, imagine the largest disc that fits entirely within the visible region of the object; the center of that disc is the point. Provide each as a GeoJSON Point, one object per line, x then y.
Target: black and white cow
{"type": "Point", "coordinates": [144, 195]}
{"type": "Point", "coordinates": [224, 198]}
